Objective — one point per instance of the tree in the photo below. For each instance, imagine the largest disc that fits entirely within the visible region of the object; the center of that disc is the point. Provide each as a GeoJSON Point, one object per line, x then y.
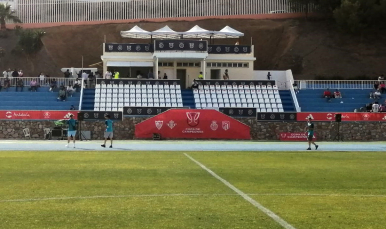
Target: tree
{"type": "Point", "coordinates": [302, 5]}
{"type": "Point", "coordinates": [6, 13]}
{"type": "Point", "coordinates": [29, 43]}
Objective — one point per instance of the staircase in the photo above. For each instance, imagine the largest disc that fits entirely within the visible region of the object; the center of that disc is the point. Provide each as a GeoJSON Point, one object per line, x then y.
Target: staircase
{"type": "Point", "coordinates": [43, 99]}
{"type": "Point", "coordinates": [287, 101]}
{"type": "Point", "coordinates": [88, 99]}
{"type": "Point", "coordinates": [188, 98]}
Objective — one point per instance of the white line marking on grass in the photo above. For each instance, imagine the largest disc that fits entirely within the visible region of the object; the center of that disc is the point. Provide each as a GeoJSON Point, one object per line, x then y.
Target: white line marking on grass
{"type": "Point", "coordinates": [268, 212]}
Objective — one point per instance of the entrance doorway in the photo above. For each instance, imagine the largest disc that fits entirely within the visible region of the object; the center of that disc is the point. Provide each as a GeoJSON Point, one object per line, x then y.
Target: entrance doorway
{"type": "Point", "coordinates": [181, 75]}
{"type": "Point", "coordinates": [215, 74]}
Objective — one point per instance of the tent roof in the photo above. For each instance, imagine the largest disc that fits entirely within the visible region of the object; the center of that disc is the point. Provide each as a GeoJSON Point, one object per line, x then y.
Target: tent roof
{"type": "Point", "coordinates": [165, 32]}
{"type": "Point", "coordinates": [136, 32]}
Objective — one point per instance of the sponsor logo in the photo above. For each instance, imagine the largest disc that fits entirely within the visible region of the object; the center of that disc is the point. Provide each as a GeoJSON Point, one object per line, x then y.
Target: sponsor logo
{"type": "Point", "coordinates": [292, 116]}
{"type": "Point", "coordinates": [66, 116]}
{"type": "Point", "coordinates": [129, 111]}
{"type": "Point", "coordinates": [241, 112]}
{"type": "Point", "coordinates": [128, 47]}
{"type": "Point", "coordinates": [227, 49]}
{"type": "Point", "coordinates": [283, 135]}
{"type": "Point", "coordinates": [171, 124]}
{"type": "Point", "coordinates": [365, 116]}
{"type": "Point", "coordinates": [210, 49]}
{"type": "Point", "coordinates": [273, 116]}
{"type": "Point", "coordinates": [310, 116]}
{"type": "Point", "coordinates": [139, 111]}
{"type": "Point", "coordinates": [191, 45]}
{"type": "Point", "coordinates": [149, 111]}
{"type": "Point", "coordinates": [138, 48]}
{"type": "Point", "coordinates": [111, 47]}
{"type": "Point", "coordinates": [147, 48]}
{"type": "Point", "coordinates": [47, 115]}
{"type": "Point", "coordinates": [214, 125]}
{"type": "Point", "coordinates": [8, 114]}
{"type": "Point", "coordinates": [161, 45]}
{"type": "Point", "coordinates": [262, 116]}
{"type": "Point", "coordinates": [250, 112]}
{"type": "Point", "coordinates": [159, 124]}
{"type": "Point", "coordinates": [159, 111]}
{"type": "Point", "coordinates": [116, 115]}
{"type": "Point", "coordinates": [171, 45]}
{"type": "Point", "coordinates": [96, 115]}
{"type": "Point", "coordinates": [282, 116]}
{"type": "Point", "coordinates": [226, 125]}
{"type": "Point", "coordinates": [181, 45]}
{"type": "Point", "coordinates": [218, 49]}
{"type": "Point", "coordinates": [200, 45]}
{"type": "Point", "coordinates": [329, 116]}
{"type": "Point", "coordinates": [245, 49]}
{"type": "Point", "coordinates": [193, 118]}
{"type": "Point", "coordinates": [237, 49]}
{"type": "Point", "coordinates": [120, 48]}
{"type": "Point", "coordinates": [86, 115]}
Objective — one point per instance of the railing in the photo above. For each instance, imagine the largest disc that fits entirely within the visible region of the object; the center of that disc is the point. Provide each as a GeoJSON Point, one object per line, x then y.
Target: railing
{"type": "Point", "coordinates": [297, 106]}
{"type": "Point", "coordinates": [81, 96]}
{"type": "Point", "coordinates": [336, 84]}
{"type": "Point", "coordinates": [47, 11]}
{"type": "Point", "coordinates": [42, 83]}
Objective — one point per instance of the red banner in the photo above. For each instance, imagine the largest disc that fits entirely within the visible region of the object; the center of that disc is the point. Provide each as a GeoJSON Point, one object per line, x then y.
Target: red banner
{"type": "Point", "coordinates": [37, 115]}
{"type": "Point", "coordinates": [346, 117]}
{"type": "Point", "coordinates": [294, 137]}
{"type": "Point", "coordinates": [192, 124]}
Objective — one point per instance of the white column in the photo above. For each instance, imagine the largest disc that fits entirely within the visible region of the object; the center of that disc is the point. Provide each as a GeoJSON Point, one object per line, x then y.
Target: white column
{"type": "Point", "coordinates": [203, 67]}
{"type": "Point", "coordinates": [155, 70]}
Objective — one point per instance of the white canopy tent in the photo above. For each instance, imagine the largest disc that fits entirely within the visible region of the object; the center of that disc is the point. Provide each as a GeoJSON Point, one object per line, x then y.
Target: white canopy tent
{"type": "Point", "coordinates": [136, 32]}
{"type": "Point", "coordinates": [198, 32]}
{"type": "Point", "coordinates": [228, 32]}
{"type": "Point", "coordinates": [166, 32]}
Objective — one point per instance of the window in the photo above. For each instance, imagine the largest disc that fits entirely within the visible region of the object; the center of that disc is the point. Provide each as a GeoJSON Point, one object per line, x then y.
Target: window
{"type": "Point", "coordinates": [165, 64]}
{"type": "Point", "coordinates": [227, 65]}
{"type": "Point", "coordinates": [198, 64]}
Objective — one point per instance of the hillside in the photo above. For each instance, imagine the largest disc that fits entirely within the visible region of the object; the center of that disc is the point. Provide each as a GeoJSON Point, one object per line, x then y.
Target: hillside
{"type": "Point", "coordinates": [311, 49]}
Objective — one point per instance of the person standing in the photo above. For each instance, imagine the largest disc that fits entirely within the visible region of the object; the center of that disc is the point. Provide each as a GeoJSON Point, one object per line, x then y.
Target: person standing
{"type": "Point", "coordinates": [269, 76]}
{"type": "Point", "coordinates": [41, 77]}
{"type": "Point", "coordinates": [165, 76]}
{"type": "Point", "coordinates": [200, 76]}
{"type": "Point", "coordinates": [116, 76]}
{"type": "Point", "coordinates": [310, 134]}
{"type": "Point", "coordinates": [109, 131]}
{"type": "Point", "coordinates": [71, 133]}
{"type": "Point", "coordinates": [226, 75]}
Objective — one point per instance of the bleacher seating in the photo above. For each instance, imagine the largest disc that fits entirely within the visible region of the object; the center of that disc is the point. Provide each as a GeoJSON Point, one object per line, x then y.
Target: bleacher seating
{"type": "Point", "coordinates": [41, 100]}
{"type": "Point", "coordinates": [313, 101]}
{"type": "Point", "coordinates": [263, 98]}
{"type": "Point", "coordinates": [115, 97]}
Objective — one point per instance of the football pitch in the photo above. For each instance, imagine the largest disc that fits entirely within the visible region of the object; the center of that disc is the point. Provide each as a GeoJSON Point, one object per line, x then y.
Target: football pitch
{"type": "Point", "coordinates": [192, 189]}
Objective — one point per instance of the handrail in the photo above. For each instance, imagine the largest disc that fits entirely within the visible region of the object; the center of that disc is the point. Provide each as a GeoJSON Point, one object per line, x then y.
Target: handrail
{"type": "Point", "coordinates": [81, 96]}
{"type": "Point", "coordinates": [297, 107]}
{"type": "Point", "coordinates": [42, 83]}
{"type": "Point", "coordinates": [337, 84]}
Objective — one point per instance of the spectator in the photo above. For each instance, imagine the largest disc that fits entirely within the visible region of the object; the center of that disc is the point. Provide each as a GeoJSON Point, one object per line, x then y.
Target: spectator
{"type": "Point", "coordinates": [139, 75]}
{"type": "Point", "coordinates": [9, 72]}
{"type": "Point", "coordinates": [67, 74]}
{"type": "Point", "coordinates": [7, 84]}
{"type": "Point", "coordinates": [381, 78]}
{"type": "Point", "coordinates": [337, 94]}
{"type": "Point", "coordinates": [85, 78]}
{"type": "Point", "coordinates": [62, 87]}
{"type": "Point", "coordinates": [34, 85]}
{"type": "Point", "coordinates": [382, 87]}
{"type": "Point", "coordinates": [53, 85]}
{"type": "Point", "coordinates": [269, 76]}
{"type": "Point", "coordinates": [327, 95]}
{"type": "Point", "coordinates": [200, 76]}
{"type": "Point", "coordinates": [116, 76]}
{"type": "Point", "coordinates": [72, 108]}
{"type": "Point", "coordinates": [98, 75]}
{"type": "Point", "coordinates": [62, 95]}
{"type": "Point", "coordinates": [41, 77]}
{"type": "Point", "coordinates": [375, 107]}
{"type": "Point", "coordinates": [382, 108]}
{"type": "Point", "coordinates": [296, 88]}
{"type": "Point", "coordinates": [5, 74]}
{"type": "Point", "coordinates": [226, 75]}
{"type": "Point", "coordinates": [165, 76]}
{"type": "Point", "coordinates": [369, 107]}
{"type": "Point", "coordinates": [70, 90]}
{"type": "Point", "coordinates": [108, 75]}
{"type": "Point", "coordinates": [150, 74]}
{"type": "Point", "coordinates": [194, 84]}
{"type": "Point", "coordinates": [20, 84]}
{"type": "Point", "coordinates": [377, 94]}
{"type": "Point", "coordinates": [21, 74]}
{"type": "Point", "coordinates": [15, 74]}
{"type": "Point", "coordinates": [376, 85]}
{"type": "Point", "coordinates": [159, 75]}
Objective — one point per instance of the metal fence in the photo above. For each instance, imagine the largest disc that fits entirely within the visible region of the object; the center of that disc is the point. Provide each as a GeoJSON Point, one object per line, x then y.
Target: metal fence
{"type": "Point", "coordinates": [54, 11]}
{"type": "Point", "coordinates": [336, 84]}
{"type": "Point", "coordinates": [42, 83]}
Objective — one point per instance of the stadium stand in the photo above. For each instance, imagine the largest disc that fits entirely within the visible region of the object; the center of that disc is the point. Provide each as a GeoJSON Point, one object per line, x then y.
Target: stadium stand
{"type": "Point", "coordinates": [43, 99]}
{"type": "Point", "coordinates": [313, 101]}
{"type": "Point", "coordinates": [115, 97]}
{"type": "Point", "coordinates": [263, 98]}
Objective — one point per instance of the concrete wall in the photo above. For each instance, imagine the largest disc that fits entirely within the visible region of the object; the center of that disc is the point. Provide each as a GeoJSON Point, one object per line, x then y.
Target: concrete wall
{"type": "Point", "coordinates": [267, 131]}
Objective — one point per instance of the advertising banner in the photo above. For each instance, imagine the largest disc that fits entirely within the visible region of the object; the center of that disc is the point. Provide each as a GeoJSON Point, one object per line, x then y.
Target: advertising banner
{"type": "Point", "coordinates": [37, 115]}
{"type": "Point", "coordinates": [233, 49]}
{"type": "Point", "coordinates": [192, 124]}
{"type": "Point", "coordinates": [144, 111]}
{"type": "Point", "coordinates": [128, 47]}
{"type": "Point", "coordinates": [346, 117]}
{"type": "Point", "coordinates": [100, 115]}
{"type": "Point", "coordinates": [276, 117]}
{"type": "Point", "coordinates": [239, 112]}
{"type": "Point", "coordinates": [300, 136]}
{"type": "Point", "coordinates": [181, 45]}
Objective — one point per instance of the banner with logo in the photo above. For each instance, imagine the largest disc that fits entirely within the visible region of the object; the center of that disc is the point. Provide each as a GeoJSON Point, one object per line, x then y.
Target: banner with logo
{"type": "Point", "coordinates": [239, 112]}
{"type": "Point", "coordinates": [100, 115]}
{"type": "Point", "coordinates": [181, 45]}
{"type": "Point", "coordinates": [234, 49]}
{"type": "Point", "coordinates": [300, 136]}
{"type": "Point", "coordinates": [128, 47]}
{"type": "Point", "coordinates": [37, 115]}
{"type": "Point", "coordinates": [144, 111]}
{"type": "Point", "coordinates": [346, 117]}
{"type": "Point", "coordinates": [277, 117]}
{"type": "Point", "coordinates": [192, 124]}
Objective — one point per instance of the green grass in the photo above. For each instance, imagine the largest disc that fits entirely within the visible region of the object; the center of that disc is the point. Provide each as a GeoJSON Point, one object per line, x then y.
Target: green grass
{"type": "Point", "coordinates": [137, 189]}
